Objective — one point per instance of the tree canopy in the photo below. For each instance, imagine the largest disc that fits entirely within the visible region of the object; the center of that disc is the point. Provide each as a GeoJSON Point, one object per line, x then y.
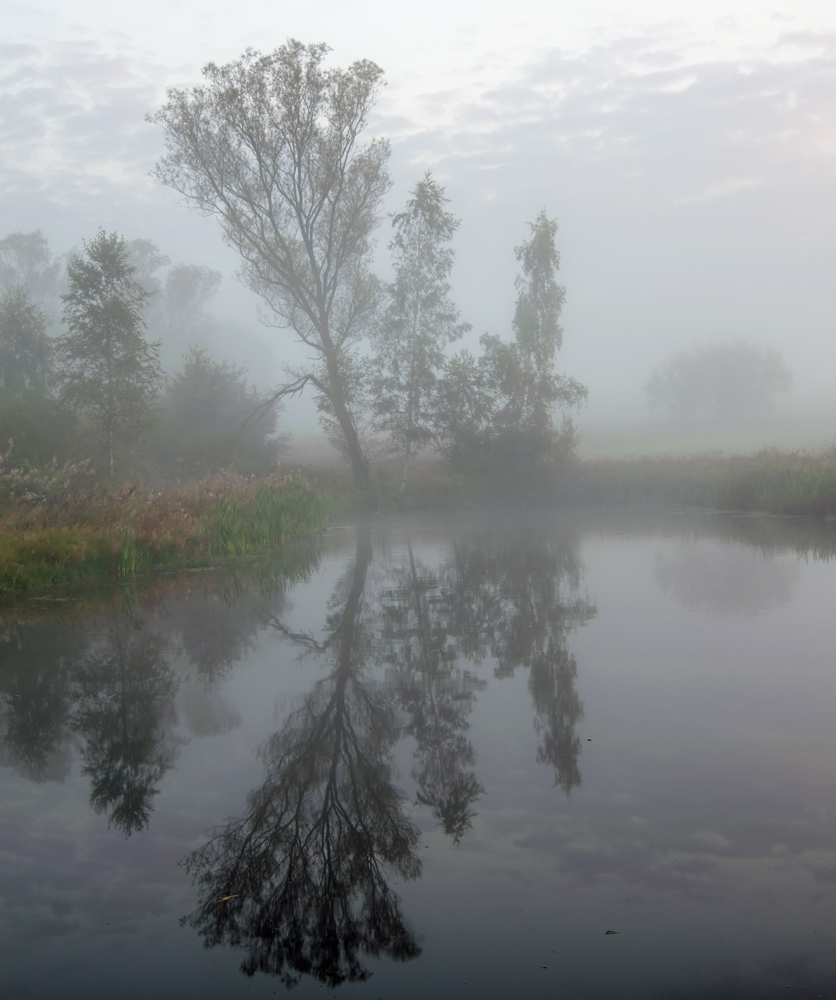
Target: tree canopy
{"type": "Point", "coordinates": [722, 380]}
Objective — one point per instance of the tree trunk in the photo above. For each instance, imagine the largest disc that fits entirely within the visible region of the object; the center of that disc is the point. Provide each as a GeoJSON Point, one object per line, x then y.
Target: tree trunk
{"type": "Point", "coordinates": [359, 465]}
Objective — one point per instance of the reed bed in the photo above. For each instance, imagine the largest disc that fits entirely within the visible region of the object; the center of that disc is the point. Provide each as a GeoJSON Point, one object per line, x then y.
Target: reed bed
{"type": "Point", "coordinates": [54, 539]}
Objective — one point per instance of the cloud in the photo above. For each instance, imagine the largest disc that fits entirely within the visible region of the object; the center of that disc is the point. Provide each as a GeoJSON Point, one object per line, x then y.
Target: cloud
{"type": "Point", "coordinates": [73, 122]}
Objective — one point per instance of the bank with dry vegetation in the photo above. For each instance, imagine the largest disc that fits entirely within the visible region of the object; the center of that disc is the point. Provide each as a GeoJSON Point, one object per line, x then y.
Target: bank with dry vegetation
{"type": "Point", "coordinates": [48, 538]}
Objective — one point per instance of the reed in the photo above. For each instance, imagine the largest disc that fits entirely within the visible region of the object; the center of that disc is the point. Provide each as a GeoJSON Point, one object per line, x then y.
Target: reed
{"type": "Point", "coordinates": [50, 540]}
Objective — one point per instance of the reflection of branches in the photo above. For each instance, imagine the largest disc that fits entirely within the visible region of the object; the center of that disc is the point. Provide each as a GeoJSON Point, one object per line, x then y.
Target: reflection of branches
{"type": "Point", "coordinates": [506, 599]}
{"type": "Point", "coordinates": [125, 692]}
{"type": "Point", "coordinates": [558, 708]}
{"type": "Point", "coordinates": [300, 879]}
{"type": "Point", "coordinates": [436, 700]}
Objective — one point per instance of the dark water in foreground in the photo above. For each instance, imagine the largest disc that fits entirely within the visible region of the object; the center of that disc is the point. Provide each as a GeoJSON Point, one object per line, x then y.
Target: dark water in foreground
{"type": "Point", "coordinates": [432, 759]}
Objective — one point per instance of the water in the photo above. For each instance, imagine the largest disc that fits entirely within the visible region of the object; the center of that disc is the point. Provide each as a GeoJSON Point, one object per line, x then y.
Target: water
{"type": "Point", "coordinates": [433, 757]}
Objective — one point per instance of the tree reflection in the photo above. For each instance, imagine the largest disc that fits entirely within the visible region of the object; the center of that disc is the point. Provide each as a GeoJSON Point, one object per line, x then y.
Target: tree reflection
{"type": "Point", "coordinates": [516, 599]}
{"type": "Point", "coordinates": [36, 698]}
{"type": "Point", "coordinates": [436, 697]}
{"type": "Point", "coordinates": [300, 880]}
{"type": "Point", "coordinates": [124, 710]}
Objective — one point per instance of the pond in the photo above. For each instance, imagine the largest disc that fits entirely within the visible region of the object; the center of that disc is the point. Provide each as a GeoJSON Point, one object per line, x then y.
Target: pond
{"type": "Point", "coordinates": [532, 755]}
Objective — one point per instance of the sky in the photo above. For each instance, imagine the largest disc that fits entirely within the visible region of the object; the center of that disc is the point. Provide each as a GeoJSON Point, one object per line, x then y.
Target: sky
{"type": "Point", "coordinates": [688, 152]}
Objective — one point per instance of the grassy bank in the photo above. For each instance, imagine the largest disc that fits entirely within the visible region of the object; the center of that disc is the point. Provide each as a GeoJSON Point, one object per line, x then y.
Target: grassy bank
{"type": "Point", "coordinates": [798, 483]}
{"type": "Point", "coordinates": [61, 539]}
{"type": "Point", "coordinates": [770, 481]}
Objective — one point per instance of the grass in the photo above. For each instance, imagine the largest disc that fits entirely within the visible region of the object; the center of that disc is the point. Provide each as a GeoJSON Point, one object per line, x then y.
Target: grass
{"type": "Point", "coordinates": [56, 540]}
{"type": "Point", "coordinates": [47, 538]}
{"type": "Point", "coordinates": [798, 483]}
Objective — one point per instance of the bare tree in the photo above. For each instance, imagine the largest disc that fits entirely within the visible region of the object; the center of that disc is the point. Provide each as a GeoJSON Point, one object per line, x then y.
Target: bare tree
{"type": "Point", "coordinates": [271, 145]}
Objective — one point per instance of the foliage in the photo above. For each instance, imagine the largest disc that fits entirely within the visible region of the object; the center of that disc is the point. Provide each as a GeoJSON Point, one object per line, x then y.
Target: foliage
{"type": "Point", "coordinates": [212, 419]}
{"type": "Point", "coordinates": [109, 371]}
{"type": "Point", "coordinates": [722, 380]}
{"type": "Point", "coordinates": [270, 145]}
{"type": "Point", "coordinates": [495, 413]}
{"type": "Point", "coordinates": [417, 322]}
{"type": "Point", "coordinates": [27, 261]}
{"type": "Point", "coordinates": [25, 348]}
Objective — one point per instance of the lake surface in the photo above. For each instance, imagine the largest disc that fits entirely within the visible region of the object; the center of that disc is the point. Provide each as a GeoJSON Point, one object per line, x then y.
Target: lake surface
{"type": "Point", "coordinates": [476, 756]}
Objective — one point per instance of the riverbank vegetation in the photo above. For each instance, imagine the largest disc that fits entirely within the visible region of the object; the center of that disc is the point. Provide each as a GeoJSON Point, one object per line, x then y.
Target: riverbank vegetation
{"type": "Point", "coordinates": [51, 539]}
{"type": "Point", "coordinates": [771, 481]}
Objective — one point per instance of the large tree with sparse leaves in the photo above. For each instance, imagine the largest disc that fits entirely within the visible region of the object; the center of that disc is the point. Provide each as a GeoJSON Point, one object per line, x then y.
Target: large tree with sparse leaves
{"type": "Point", "coordinates": [271, 145]}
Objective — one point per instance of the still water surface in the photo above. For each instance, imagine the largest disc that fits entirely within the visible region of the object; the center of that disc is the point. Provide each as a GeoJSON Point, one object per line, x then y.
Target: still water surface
{"type": "Point", "coordinates": [432, 757]}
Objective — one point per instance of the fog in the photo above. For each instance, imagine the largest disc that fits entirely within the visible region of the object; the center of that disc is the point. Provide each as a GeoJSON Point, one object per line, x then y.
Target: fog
{"type": "Point", "coordinates": [687, 156]}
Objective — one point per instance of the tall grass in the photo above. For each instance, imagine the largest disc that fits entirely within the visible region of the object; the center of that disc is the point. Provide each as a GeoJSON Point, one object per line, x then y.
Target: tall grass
{"type": "Point", "coordinates": [62, 538]}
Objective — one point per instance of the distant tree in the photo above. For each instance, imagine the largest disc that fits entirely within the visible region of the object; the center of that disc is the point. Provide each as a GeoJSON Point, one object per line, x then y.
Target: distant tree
{"type": "Point", "coordinates": [417, 322]}
{"type": "Point", "coordinates": [271, 145]}
{"type": "Point", "coordinates": [25, 259]}
{"type": "Point", "coordinates": [723, 380]}
{"type": "Point", "coordinates": [146, 259]}
{"type": "Point", "coordinates": [496, 414]}
{"type": "Point", "coordinates": [212, 418]}
{"type": "Point", "coordinates": [25, 348]}
{"type": "Point", "coordinates": [186, 290]}
{"type": "Point", "coordinates": [109, 371]}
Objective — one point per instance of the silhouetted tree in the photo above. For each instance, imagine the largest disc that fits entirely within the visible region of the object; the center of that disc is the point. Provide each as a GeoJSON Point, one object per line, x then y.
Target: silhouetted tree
{"type": "Point", "coordinates": [721, 380]}
{"type": "Point", "coordinates": [25, 349]}
{"type": "Point", "coordinates": [109, 371]}
{"type": "Point", "coordinates": [211, 418]}
{"type": "Point", "coordinates": [26, 261]}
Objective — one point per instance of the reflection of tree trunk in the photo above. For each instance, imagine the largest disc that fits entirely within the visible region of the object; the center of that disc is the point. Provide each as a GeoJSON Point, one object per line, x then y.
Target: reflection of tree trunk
{"type": "Point", "coordinates": [300, 881]}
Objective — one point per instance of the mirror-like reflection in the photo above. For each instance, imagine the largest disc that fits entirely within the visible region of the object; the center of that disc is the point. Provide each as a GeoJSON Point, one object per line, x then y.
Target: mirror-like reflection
{"type": "Point", "coordinates": [393, 647]}
{"type": "Point", "coordinates": [300, 881]}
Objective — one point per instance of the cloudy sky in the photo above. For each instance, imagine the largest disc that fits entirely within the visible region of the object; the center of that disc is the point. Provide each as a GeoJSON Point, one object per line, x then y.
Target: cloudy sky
{"type": "Point", "coordinates": [688, 154]}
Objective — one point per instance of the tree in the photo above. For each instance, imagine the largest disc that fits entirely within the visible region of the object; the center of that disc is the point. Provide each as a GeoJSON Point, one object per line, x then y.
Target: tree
{"type": "Point", "coordinates": [213, 417]}
{"type": "Point", "coordinates": [110, 371]}
{"type": "Point", "coordinates": [271, 145]}
{"type": "Point", "coordinates": [496, 414]}
{"type": "Point", "coordinates": [723, 380]}
{"type": "Point", "coordinates": [418, 320]}
{"type": "Point", "coordinates": [25, 259]}
{"type": "Point", "coordinates": [25, 348]}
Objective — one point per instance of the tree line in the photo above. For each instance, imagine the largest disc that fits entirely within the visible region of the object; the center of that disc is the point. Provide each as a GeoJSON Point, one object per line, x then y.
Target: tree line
{"type": "Point", "coordinates": [272, 146]}
{"type": "Point", "coordinates": [98, 389]}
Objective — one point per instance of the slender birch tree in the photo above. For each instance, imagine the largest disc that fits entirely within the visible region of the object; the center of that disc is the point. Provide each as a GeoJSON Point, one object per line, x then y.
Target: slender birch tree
{"type": "Point", "coordinates": [417, 322]}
